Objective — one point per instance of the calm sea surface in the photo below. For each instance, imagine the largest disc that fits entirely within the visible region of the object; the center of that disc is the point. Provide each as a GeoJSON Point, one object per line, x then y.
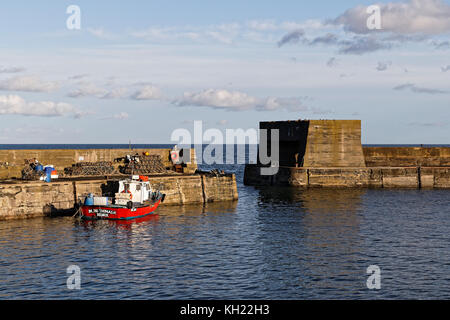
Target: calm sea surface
{"type": "Point", "coordinates": [274, 243]}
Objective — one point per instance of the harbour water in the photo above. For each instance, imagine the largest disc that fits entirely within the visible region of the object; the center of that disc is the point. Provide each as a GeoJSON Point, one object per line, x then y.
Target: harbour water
{"type": "Point", "coordinates": [274, 243]}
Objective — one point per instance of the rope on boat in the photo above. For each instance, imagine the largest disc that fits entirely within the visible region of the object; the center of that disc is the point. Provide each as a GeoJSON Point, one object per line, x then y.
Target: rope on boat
{"type": "Point", "coordinates": [78, 212]}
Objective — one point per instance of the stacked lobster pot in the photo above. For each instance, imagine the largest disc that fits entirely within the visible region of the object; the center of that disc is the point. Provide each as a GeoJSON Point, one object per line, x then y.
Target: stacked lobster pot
{"type": "Point", "coordinates": [33, 170]}
{"type": "Point", "coordinates": [144, 165]}
{"type": "Point", "coordinates": [99, 168]}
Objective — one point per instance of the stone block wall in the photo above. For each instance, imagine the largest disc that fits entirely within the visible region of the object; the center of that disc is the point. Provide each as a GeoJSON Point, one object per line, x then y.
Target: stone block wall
{"type": "Point", "coordinates": [219, 188]}
{"type": "Point", "coordinates": [334, 143]}
{"type": "Point", "coordinates": [337, 177]}
{"type": "Point", "coordinates": [66, 157]}
{"type": "Point", "coordinates": [318, 143]}
{"type": "Point", "coordinates": [407, 156]}
{"type": "Point", "coordinates": [400, 177]}
{"type": "Point", "coordinates": [35, 199]}
{"type": "Point", "coordinates": [435, 177]}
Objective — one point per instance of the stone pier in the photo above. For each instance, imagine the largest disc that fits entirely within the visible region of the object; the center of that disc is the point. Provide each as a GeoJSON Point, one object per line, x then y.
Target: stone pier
{"type": "Point", "coordinates": [328, 153]}
{"type": "Point", "coordinates": [62, 158]}
{"type": "Point", "coordinates": [36, 199]}
{"type": "Point", "coordinates": [24, 199]}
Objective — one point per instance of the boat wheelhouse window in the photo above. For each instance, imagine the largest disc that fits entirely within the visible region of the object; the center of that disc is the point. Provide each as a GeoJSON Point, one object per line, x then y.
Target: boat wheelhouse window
{"type": "Point", "coordinates": [126, 186]}
{"type": "Point", "coordinates": [138, 187]}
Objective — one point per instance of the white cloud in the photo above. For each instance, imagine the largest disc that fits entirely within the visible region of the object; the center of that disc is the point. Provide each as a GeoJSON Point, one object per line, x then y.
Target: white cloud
{"type": "Point", "coordinates": [118, 116]}
{"type": "Point", "coordinates": [362, 45]}
{"type": "Point", "coordinates": [227, 33]}
{"type": "Point", "coordinates": [121, 116]}
{"type": "Point", "coordinates": [81, 114]}
{"type": "Point", "coordinates": [347, 45]}
{"type": "Point", "coordinates": [78, 76]}
{"type": "Point", "coordinates": [224, 33]}
{"type": "Point", "coordinates": [101, 33]}
{"type": "Point", "coordinates": [216, 98]}
{"type": "Point", "coordinates": [13, 104]}
{"type": "Point", "coordinates": [292, 37]}
{"type": "Point", "coordinates": [413, 21]}
{"type": "Point", "coordinates": [281, 103]}
{"type": "Point", "coordinates": [148, 92]}
{"type": "Point", "coordinates": [416, 89]}
{"type": "Point", "coordinates": [88, 89]}
{"type": "Point", "coordinates": [263, 25]}
{"type": "Point", "coordinates": [11, 69]}
{"type": "Point", "coordinates": [154, 33]}
{"type": "Point", "coordinates": [220, 37]}
{"type": "Point", "coordinates": [272, 25]}
{"type": "Point", "coordinates": [441, 44]}
{"type": "Point", "coordinates": [383, 65]}
{"type": "Point", "coordinates": [28, 83]}
{"type": "Point", "coordinates": [414, 16]}
{"type": "Point", "coordinates": [332, 62]}
{"type": "Point", "coordinates": [239, 101]}
{"type": "Point", "coordinates": [116, 93]}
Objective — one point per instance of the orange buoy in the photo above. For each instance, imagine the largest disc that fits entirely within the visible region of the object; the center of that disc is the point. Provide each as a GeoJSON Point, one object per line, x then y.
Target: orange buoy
{"type": "Point", "coordinates": [174, 155]}
{"type": "Point", "coordinates": [128, 191]}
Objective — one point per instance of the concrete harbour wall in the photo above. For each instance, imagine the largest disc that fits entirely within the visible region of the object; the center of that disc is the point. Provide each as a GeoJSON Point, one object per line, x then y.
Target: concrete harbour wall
{"type": "Point", "coordinates": [36, 199]}
{"type": "Point", "coordinates": [334, 143]}
{"type": "Point", "coordinates": [407, 156]}
{"type": "Point", "coordinates": [66, 157]}
{"type": "Point", "coordinates": [386, 177]}
{"type": "Point", "coordinates": [318, 143]}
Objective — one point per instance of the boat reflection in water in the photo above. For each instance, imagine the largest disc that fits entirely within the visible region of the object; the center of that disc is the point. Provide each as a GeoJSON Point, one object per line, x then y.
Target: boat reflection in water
{"type": "Point", "coordinates": [168, 212]}
{"type": "Point", "coordinates": [125, 224]}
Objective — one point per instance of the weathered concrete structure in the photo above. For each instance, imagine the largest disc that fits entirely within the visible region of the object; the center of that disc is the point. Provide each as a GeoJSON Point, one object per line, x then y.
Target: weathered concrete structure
{"type": "Point", "coordinates": [387, 177]}
{"type": "Point", "coordinates": [407, 156]}
{"type": "Point", "coordinates": [63, 158]}
{"type": "Point", "coordinates": [318, 143]}
{"type": "Point", "coordinates": [36, 199]}
{"type": "Point", "coordinates": [23, 199]}
{"type": "Point", "coordinates": [328, 153]}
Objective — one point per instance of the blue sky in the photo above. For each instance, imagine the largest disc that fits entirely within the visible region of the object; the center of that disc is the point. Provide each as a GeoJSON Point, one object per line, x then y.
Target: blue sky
{"type": "Point", "coordinates": [140, 69]}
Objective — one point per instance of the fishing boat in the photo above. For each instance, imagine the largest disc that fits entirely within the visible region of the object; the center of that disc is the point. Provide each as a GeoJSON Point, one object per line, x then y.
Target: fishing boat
{"type": "Point", "coordinates": [134, 199]}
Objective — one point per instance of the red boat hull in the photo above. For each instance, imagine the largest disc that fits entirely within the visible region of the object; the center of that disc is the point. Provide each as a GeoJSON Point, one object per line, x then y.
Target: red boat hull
{"type": "Point", "coordinates": [117, 213]}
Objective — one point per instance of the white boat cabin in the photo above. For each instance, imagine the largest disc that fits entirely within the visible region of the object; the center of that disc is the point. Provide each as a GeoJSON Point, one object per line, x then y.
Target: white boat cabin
{"type": "Point", "coordinates": [133, 190]}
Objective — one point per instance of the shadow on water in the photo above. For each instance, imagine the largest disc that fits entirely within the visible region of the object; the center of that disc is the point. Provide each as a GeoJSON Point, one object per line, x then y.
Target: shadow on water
{"type": "Point", "coordinates": [314, 236]}
{"type": "Point", "coordinates": [314, 199]}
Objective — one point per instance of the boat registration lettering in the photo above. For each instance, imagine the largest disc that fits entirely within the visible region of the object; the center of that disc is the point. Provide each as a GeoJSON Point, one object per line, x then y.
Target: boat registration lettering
{"type": "Point", "coordinates": [101, 212]}
{"type": "Point", "coordinates": [102, 215]}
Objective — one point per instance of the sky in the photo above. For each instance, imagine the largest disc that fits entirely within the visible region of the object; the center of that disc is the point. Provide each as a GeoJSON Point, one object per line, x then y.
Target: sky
{"type": "Point", "coordinates": [138, 70]}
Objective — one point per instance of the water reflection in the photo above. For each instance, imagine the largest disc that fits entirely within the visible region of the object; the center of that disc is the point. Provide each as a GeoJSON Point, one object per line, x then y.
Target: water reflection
{"type": "Point", "coordinates": [322, 236]}
{"type": "Point", "coordinates": [122, 224]}
{"type": "Point", "coordinates": [198, 209]}
{"type": "Point", "coordinates": [274, 243]}
{"type": "Point", "coordinates": [167, 212]}
{"type": "Point", "coordinates": [314, 199]}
